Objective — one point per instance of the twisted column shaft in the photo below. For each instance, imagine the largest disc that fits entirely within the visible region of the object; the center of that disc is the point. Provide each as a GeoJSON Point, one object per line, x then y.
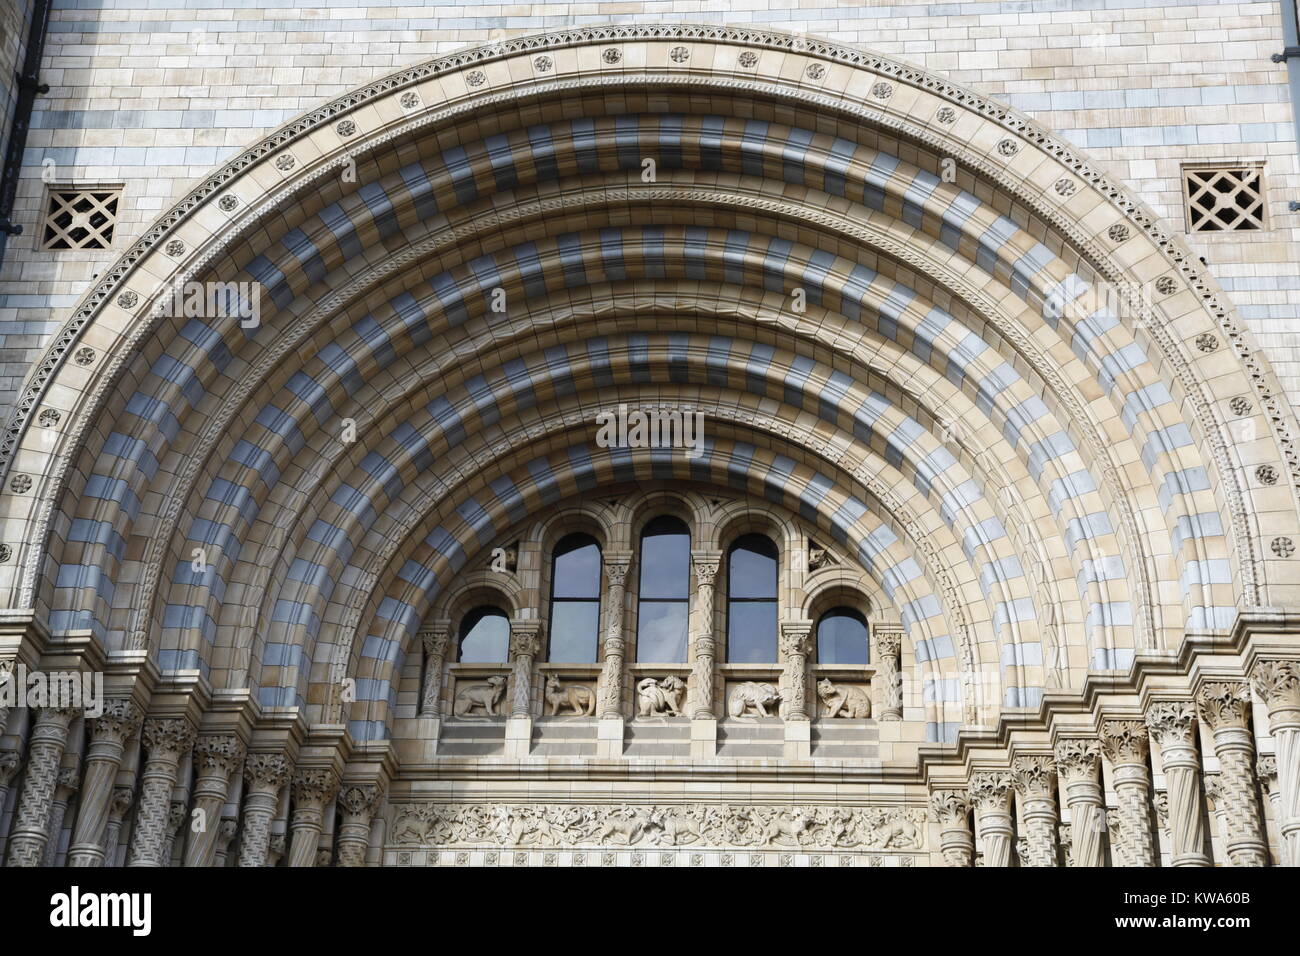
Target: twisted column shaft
{"type": "Point", "coordinates": [1225, 708]}
{"type": "Point", "coordinates": [358, 803]}
{"type": "Point", "coordinates": [1173, 725]}
{"type": "Point", "coordinates": [1035, 781]}
{"type": "Point", "coordinates": [266, 774]}
{"type": "Point", "coordinates": [313, 788]}
{"type": "Point", "coordinates": [990, 792]}
{"type": "Point", "coordinates": [1125, 743]}
{"type": "Point", "coordinates": [1278, 683]}
{"type": "Point", "coordinates": [1077, 759]}
{"type": "Point", "coordinates": [28, 835]}
{"type": "Point", "coordinates": [109, 733]}
{"type": "Point", "coordinates": [216, 757]}
{"type": "Point", "coordinates": [166, 741]}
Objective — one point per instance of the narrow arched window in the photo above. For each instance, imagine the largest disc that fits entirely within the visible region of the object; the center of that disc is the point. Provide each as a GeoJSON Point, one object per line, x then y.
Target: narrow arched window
{"type": "Point", "coordinates": [751, 600]}
{"type": "Point", "coordinates": [664, 591]}
{"type": "Point", "coordinates": [485, 636]}
{"type": "Point", "coordinates": [842, 637]}
{"type": "Point", "coordinates": [575, 599]}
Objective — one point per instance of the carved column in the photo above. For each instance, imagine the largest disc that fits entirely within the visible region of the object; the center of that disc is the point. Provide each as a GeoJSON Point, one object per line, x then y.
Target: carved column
{"type": "Point", "coordinates": [1077, 762]}
{"type": "Point", "coordinates": [435, 639]}
{"type": "Point", "coordinates": [175, 819]}
{"type": "Point", "coordinates": [1278, 683]}
{"type": "Point", "coordinates": [525, 642]}
{"type": "Point", "coordinates": [68, 783]}
{"type": "Point", "coordinates": [1127, 746]}
{"type": "Point", "coordinates": [225, 836]}
{"type": "Point", "coordinates": [275, 849]}
{"type": "Point", "coordinates": [990, 792]}
{"type": "Point", "coordinates": [313, 788]}
{"type": "Point", "coordinates": [952, 810]}
{"type": "Point", "coordinates": [28, 836]}
{"type": "Point", "coordinates": [108, 736]}
{"type": "Point", "coordinates": [6, 675]}
{"type": "Point", "coordinates": [706, 572]}
{"type": "Point", "coordinates": [1266, 771]}
{"type": "Point", "coordinates": [609, 687]}
{"type": "Point", "coordinates": [166, 741]}
{"type": "Point", "coordinates": [216, 757]}
{"type": "Point", "coordinates": [1035, 781]}
{"type": "Point", "coordinates": [1225, 708]}
{"type": "Point", "coordinates": [889, 675]}
{"type": "Point", "coordinates": [795, 646]}
{"type": "Point", "coordinates": [9, 764]}
{"type": "Point", "coordinates": [118, 806]}
{"type": "Point", "coordinates": [265, 774]}
{"type": "Point", "coordinates": [1173, 725]}
{"type": "Point", "coordinates": [358, 803]}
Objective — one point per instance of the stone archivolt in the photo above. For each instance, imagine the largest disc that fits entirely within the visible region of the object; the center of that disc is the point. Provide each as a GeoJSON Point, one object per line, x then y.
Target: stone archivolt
{"type": "Point", "coordinates": [696, 825]}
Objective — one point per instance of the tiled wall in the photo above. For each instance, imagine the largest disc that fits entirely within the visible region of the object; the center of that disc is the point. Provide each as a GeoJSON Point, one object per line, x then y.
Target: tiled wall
{"type": "Point", "coordinates": [153, 93]}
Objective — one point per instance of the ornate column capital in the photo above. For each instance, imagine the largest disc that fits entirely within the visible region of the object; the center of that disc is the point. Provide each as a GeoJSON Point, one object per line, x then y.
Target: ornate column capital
{"type": "Point", "coordinates": [525, 638]}
{"type": "Point", "coordinates": [118, 723]}
{"type": "Point", "coordinates": [1266, 771]}
{"type": "Point", "coordinates": [951, 808]}
{"type": "Point", "coordinates": [1172, 723]}
{"type": "Point", "coordinates": [168, 735]}
{"type": "Point", "coordinates": [1125, 741]}
{"type": "Point", "coordinates": [267, 771]}
{"type": "Point", "coordinates": [218, 753]}
{"type": "Point", "coordinates": [1034, 776]}
{"type": "Point", "coordinates": [315, 786]}
{"type": "Point", "coordinates": [435, 636]}
{"type": "Point", "coordinates": [67, 782]}
{"type": "Point", "coordinates": [617, 564]}
{"type": "Point", "coordinates": [889, 643]}
{"type": "Point", "coordinates": [1224, 704]}
{"type": "Point", "coordinates": [706, 564]}
{"type": "Point", "coordinates": [1077, 758]}
{"type": "Point", "coordinates": [360, 800]}
{"type": "Point", "coordinates": [1278, 683]}
{"type": "Point", "coordinates": [990, 790]}
{"type": "Point", "coordinates": [795, 638]}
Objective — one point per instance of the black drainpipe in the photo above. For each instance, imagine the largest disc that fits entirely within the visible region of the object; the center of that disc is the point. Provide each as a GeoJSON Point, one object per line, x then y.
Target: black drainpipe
{"type": "Point", "coordinates": [29, 85]}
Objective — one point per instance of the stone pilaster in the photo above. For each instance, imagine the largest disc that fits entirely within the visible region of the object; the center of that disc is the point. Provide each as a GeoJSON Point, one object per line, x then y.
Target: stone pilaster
{"type": "Point", "coordinates": [118, 806]}
{"type": "Point", "coordinates": [1225, 708]}
{"type": "Point", "coordinates": [1172, 724]}
{"type": "Point", "coordinates": [109, 733]}
{"type": "Point", "coordinates": [705, 645]}
{"type": "Point", "coordinates": [889, 675]}
{"type": "Point", "coordinates": [609, 688]}
{"type": "Point", "coordinates": [28, 835]}
{"type": "Point", "coordinates": [1077, 761]}
{"type": "Point", "coordinates": [216, 757]}
{"type": "Point", "coordinates": [313, 788]}
{"type": "Point", "coordinates": [525, 642]}
{"type": "Point", "coordinates": [796, 643]}
{"type": "Point", "coordinates": [990, 792]}
{"type": "Point", "coordinates": [166, 741]}
{"type": "Point", "coordinates": [265, 775]}
{"type": "Point", "coordinates": [435, 638]}
{"type": "Point", "coordinates": [357, 802]}
{"type": "Point", "coordinates": [952, 810]}
{"type": "Point", "coordinates": [1035, 780]}
{"type": "Point", "coordinates": [1278, 683]}
{"type": "Point", "coordinates": [1127, 747]}
{"type": "Point", "coordinates": [68, 783]}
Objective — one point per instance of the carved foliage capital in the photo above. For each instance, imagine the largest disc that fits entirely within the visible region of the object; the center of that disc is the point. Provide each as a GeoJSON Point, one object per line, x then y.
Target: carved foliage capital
{"type": "Point", "coordinates": [218, 753]}
{"type": "Point", "coordinates": [525, 638]}
{"type": "Point", "coordinates": [121, 718]}
{"type": "Point", "coordinates": [267, 771]}
{"type": "Point", "coordinates": [1278, 683]}
{"type": "Point", "coordinates": [706, 567]}
{"type": "Point", "coordinates": [435, 638]}
{"type": "Point", "coordinates": [1077, 758]}
{"type": "Point", "coordinates": [990, 790]}
{"type": "Point", "coordinates": [1224, 704]}
{"type": "Point", "coordinates": [1035, 776]}
{"type": "Point", "coordinates": [951, 807]}
{"type": "Point", "coordinates": [796, 639]}
{"type": "Point", "coordinates": [315, 785]}
{"type": "Point", "coordinates": [1172, 722]}
{"type": "Point", "coordinates": [360, 799]}
{"type": "Point", "coordinates": [616, 571]}
{"type": "Point", "coordinates": [888, 643]}
{"type": "Point", "coordinates": [1266, 770]}
{"type": "Point", "coordinates": [1125, 741]}
{"type": "Point", "coordinates": [168, 735]}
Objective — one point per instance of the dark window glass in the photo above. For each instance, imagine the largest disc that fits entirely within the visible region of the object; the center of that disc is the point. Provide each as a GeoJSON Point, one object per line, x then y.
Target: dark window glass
{"type": "Point", "coordinates": [575, 600]}
{"type": "Point", "coordinates": [751, 600]}
{"type": "Point", "coordinates": [842, 637]}
{"type": "Point", "coordinates": [664, 591]}
{"type": "Point", "coordinates": [485, 636]}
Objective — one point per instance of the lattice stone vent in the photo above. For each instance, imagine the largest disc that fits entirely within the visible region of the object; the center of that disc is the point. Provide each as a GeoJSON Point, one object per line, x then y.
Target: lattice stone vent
{"type": "Point", "coordinates": [80, 218]}
{"type": "Point", "coordinates": [1224, 199]}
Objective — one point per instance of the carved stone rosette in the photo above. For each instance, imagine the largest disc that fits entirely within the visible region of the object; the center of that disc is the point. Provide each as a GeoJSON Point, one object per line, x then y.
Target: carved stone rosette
{"type": "Point", "coordinates": [706, 564]}
{"type": "Point", "coordinates": [109, 733]}
{"type": "Point", "coordinates": [28, 834]}
{"type": "Point", "coordinates": [1078, 763]}
{"type": "Point", "coordinates": [266, 774]}
{"type": "Point", "coordinates": [795, 645]}
{"type": "Point", "coordinates": [1172, 724]}
{"type": "Point", "coordinates": [1225, 708]}
{"type": "Point", "coordinates": [609, 689]}
{"type": "Point", "coordinates": [889, 648]}
{"type": "Point", "coordinates": [1278, 683]}
{"type": "Point", "coordinates": [357, 802]}
{"type": "Point", "coordinates": [990, 792]}
{"type": "Point", "coordinates": [1035, 781]}
{"type": "Point", "coordinates": [952, 809]}
{"type": "Point", "coordinates": [313, 788]}
{"type": "Point", "coordinates": [216, 757]}
{"type": "Point", "coordinates": [435, 639]}
{"type": "Point", "coordinates": [1126, 744]}
{"type": "Point", "coordinates": [166, 741]}
{"type": "Point", "coordinates": [525, 642]}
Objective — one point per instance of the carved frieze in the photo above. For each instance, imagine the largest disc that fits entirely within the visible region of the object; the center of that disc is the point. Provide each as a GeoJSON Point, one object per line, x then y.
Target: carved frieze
{"type": "Point", "coordinates": [711, 825]}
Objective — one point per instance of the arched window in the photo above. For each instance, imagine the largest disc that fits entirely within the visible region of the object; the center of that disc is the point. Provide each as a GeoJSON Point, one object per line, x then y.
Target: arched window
{"type": "Point", "coordinates": [842, 637]}
{"type": "Point", "coordinates": [485, 636]}
{"type": "Point", "coordinates": [664, 591]}
{"type": "Point", "coordinates": [751, 600]}
{"type": "Point", "coordinates": [575, 599]}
